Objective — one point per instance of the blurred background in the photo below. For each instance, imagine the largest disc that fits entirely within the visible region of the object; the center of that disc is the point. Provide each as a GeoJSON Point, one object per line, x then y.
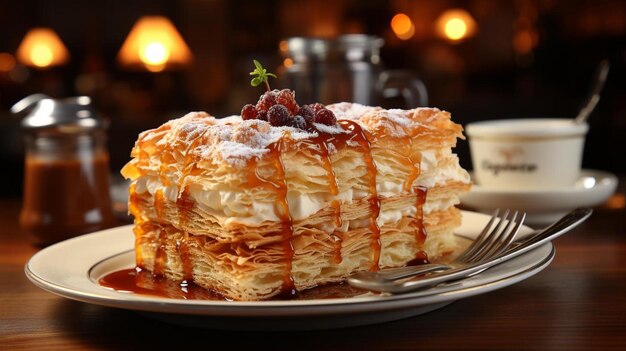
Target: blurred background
{"type": "Point", "coordinates": [479, 59]}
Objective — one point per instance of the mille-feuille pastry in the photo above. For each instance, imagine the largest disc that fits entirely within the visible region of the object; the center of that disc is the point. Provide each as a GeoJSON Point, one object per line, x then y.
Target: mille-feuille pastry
{"type": "Point", "coordinates": [288, 197]}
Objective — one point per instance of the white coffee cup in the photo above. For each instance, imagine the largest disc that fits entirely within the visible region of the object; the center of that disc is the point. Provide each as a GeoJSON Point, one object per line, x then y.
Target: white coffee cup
{"type": "Point", "coordinates": [538, 153]}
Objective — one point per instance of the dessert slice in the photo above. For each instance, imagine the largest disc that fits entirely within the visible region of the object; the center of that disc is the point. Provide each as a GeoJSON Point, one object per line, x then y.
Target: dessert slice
{"type": "Point", "coordinates": [289, 197]}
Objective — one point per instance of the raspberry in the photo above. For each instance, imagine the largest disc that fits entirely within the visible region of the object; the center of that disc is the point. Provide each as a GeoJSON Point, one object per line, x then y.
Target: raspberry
{"type": "Point", "coordinates": [262, 116]}
{"type": "Point", "coordinates": [316, 107]}
{"type": "Point", "coordinates": [278, 115]}
{"type": "Point", "coordinates": [306, 111]}
{"type": "Point", "coordinates": [287, 98]}
{"type": "Point", "coordinates": [266, 101]}
{"type": "Point", "coordinates": [325, 116]}
{"type": "Point", "coordinates": [249, 112]}
{"type": "Point", "coordinates": [308, 115]}
{"type": "Point", "coordinates": [298, 122]}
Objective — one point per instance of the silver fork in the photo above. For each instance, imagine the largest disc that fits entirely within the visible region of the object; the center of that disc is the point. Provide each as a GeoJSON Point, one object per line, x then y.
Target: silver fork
{"type": "Point", "coordinates": [536, 239]}
{"type": "Point", "coordinates": [494, 239]}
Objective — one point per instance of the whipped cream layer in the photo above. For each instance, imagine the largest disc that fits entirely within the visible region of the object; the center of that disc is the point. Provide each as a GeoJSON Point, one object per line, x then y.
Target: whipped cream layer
{"type": "Point", "coordinates": [227, 204]}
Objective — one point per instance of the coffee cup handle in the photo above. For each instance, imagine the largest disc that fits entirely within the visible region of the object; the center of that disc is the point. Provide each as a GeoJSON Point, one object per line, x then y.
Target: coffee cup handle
{"type": "Point", "coordinates": [400, 83]}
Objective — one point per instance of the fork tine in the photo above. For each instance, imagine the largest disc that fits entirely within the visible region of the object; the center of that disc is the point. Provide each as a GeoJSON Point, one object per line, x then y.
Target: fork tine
{"type": "Point", "coordinates": [480, 239]}
{"type": "Point", "coordinates": [499, 239]}
{"type": "Point", "coordinates": [489, 238]}
{"type": "Point", "coordinates": [511, 236]}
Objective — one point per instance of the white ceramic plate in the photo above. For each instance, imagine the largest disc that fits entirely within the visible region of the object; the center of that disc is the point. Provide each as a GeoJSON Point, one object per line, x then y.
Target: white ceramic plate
{"type": "Point", "coordinates": [548, 205]}
{"type": "Point", "coordinates": [72, 268]}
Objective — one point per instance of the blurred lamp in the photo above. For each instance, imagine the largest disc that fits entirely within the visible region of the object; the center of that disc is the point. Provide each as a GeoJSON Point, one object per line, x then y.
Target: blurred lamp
{"type": "Point", "coordinates": [402, 26]}
{"type": "Point", "coordinates": [154, 44]}
{"type": "Point", "coordinates": [42, 48]}
{"type": "Point", "coordinates": [456, 25]}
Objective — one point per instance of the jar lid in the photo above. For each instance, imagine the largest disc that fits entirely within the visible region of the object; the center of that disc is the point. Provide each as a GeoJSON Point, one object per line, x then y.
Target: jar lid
{"type": "Point", "coordinates": [73, 114]}
{"type": "Point", "coordinates": [363, 42]}
{"type": "Point", "coordinates": [303, 49]}
{"type": "Point", "coordinates": [351, 47]}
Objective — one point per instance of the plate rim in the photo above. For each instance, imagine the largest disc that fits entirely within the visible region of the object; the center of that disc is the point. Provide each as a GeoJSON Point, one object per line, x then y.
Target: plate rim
{"type": "Point", "coordinates": [277, 308]}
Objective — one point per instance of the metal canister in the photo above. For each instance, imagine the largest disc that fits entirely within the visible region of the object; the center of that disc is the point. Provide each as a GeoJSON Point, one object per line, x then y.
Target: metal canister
{"type": "Point", "coordinates": [66, 178]}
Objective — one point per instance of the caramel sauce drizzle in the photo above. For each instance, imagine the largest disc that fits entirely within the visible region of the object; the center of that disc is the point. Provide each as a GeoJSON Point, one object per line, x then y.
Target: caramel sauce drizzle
{"type": "Point", "coordinates": [182, 246]}
{"type": "Point", "coordinates": [407, 158]}
{"type": "Point", "coordinates": [160, 255]}
{"type": "Point", "coordinates": [418, 222]}
{"type": "Point", "coordinates": [184, 205]}
{"type": "Point", "coordinates": [358, 136]}
{"type": "Point", "coordinates": [319, 147]}
{"type": "Point", "coordinates": [133, 209]}
{"type": "Point", "coordinates": [335, 205]}
{"type": "Point", "coordinates": [133, 200]}
{"type": "Point", "coordinates": [414, 166]}
{"type": "Point", "coordinates": [278, 185]}
{"type": "Point", "coordinates": [420, 199]}
{"type": "Point", "coordinates": [337, 240]}
{"type": "Point", "coordinates": [159, 204]}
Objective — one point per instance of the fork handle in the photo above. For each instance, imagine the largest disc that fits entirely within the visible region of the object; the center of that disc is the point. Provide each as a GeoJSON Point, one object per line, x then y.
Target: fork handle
{"type": "Point", "coordinates": [400, 272]}
{"type": "Point", "coordinates": [555, 230]}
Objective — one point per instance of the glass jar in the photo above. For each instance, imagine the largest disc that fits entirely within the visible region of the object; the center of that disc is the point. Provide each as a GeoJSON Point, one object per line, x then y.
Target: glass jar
{"type": "Point", "coordinates": [347, 68]}
{"type": "Point", "coordinates": [66, 181]}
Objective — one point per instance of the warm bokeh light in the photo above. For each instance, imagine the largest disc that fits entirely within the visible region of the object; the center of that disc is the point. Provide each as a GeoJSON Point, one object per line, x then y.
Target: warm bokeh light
{"type": "Point", "coordinates": [42, 48]}
{"type": "Point", "coordinates": [616, 201]}
{"type": "Point", "coordinates": [287, 62]}
{"type": "Point", "coordinates": [283, 46]}
{"type": "Point", "coordinates": [7, 62]}
{"type": "Point", "coordinates": [455, 29]}
{"type": "Point", "coordinates": [154, 44]}
{"type": "Point", "coordinates": [455, 25]}
{"type": "Point", "coordinates": [401, 23]}
{"type": "Point", "coordinates": [154, 55]}
{"type": "Point", "coordinates": [402, 26]}
{"type": "Point", "coordinates": [41, 55]}
{"type": "Point", "coordinates": [524, 41]}
{"type": "Point", "coordinates": [408, 35]}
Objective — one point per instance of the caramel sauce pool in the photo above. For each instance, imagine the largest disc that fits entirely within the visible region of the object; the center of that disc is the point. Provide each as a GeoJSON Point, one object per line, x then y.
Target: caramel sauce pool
{"type": "Point", "coordinates": [138, 281]}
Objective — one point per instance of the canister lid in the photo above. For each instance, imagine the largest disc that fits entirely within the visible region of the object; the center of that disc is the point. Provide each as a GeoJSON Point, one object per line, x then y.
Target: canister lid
{"type": "Point", "coordinates": [303, 49]}
{"type": "Point", "coordinates": [73, 114]}
{"type": "Point", "coordinates": [349, 47]}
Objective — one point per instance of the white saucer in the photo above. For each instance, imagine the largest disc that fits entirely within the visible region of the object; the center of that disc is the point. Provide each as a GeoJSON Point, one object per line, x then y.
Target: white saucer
{"type": "Point", "coordinates": [546, 205]}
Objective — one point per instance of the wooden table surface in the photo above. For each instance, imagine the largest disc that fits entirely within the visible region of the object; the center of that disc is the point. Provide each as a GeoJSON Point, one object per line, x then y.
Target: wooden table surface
{"type": "Point", "coordinates": [577, 303]}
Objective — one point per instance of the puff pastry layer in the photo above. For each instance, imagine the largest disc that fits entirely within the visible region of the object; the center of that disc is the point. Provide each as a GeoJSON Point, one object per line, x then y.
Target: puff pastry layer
{"type": "Point", "coordinates": [251, 211]}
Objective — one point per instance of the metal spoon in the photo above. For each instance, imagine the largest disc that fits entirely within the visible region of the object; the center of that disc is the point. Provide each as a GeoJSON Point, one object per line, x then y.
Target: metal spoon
{"type": "Point", "coordinates": [594, 95]}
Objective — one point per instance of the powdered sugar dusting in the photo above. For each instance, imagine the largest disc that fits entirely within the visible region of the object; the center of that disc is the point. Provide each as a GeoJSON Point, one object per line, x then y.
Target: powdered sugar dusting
{"type": "Point", "coordinates": [236, 141]}
{"type": "Point", "coordinates": [234, 153]}
{"type": "Point", "coordinates": [381, 122]}
{"type": "Point", "coordinates": [334, 129]}
{"type": "Point", "coordinates": [347, 110]}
